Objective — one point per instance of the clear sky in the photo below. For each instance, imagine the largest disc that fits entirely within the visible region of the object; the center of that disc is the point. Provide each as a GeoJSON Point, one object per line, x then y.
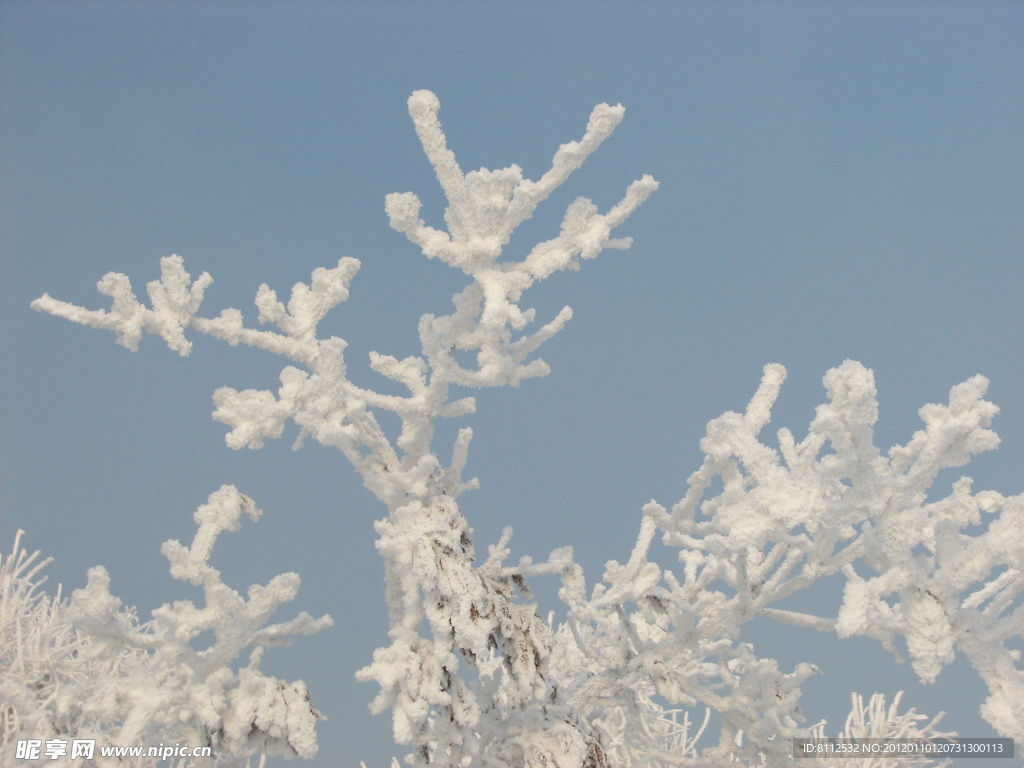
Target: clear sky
{"type": "Point", "coordinates": [838, 180]}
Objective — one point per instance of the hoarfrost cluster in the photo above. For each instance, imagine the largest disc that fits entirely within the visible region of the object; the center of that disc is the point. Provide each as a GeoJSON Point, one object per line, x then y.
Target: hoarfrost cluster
{"type": "Point", "coordinates": [86, 668]}
{"type": "Point", "coordinates": [472, 673]}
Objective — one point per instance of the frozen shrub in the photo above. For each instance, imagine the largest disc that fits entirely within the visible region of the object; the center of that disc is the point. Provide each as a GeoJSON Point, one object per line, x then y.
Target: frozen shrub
{"type": "Point", "coordinates": [472, 674]}
{"type": "Point", "coordinates": [87, 669]}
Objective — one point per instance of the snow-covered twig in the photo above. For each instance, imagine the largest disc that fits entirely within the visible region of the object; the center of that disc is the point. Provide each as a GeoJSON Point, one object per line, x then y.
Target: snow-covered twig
{"type": "Point", "coordinates": [86, 668]}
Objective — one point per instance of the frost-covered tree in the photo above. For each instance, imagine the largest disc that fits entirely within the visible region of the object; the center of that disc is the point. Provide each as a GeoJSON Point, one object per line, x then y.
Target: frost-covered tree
{"type": "Point", "coordinates": [472, 674]}
{"type": "Point", "coordinates": [86, 668]}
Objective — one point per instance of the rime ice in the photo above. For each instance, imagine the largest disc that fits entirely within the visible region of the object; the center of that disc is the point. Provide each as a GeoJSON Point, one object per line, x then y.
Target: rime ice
{"type": "Point", "coordinates": [88, 669]}
{"type": "Point", "coordinates": [472, 674]}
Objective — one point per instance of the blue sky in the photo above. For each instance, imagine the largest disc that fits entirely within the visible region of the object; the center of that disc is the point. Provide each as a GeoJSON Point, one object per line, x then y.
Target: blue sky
{"type": "Point", "coordinates": [837, 181]}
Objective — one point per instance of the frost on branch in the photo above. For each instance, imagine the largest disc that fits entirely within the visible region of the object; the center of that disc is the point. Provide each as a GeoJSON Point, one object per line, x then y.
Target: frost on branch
{"type": "Point", "coordinates": [484, 207]}
{"type": "Point", "coordinates": [475, 686]}
{"type": "Point", "coordinates": [87, 668]}
{"type": "Point", "coordinates": [875, 721]}
{"type": "Point", "coordinates": [174, 296]}
{"type": "Point", "coordinates": [472, 673]}
{"type": "Point", "coordinates": [830, 504]}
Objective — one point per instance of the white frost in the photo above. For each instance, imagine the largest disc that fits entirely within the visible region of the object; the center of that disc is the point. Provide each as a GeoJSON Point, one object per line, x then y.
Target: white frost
{"type": "Point", "coordinates": [472, 673]}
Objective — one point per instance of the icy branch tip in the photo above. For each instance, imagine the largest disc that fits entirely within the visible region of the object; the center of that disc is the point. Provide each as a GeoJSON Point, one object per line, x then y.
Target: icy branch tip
{"type": "Point", "coordinates": [604, 118]}
{"type": "Point", "coordinates": [423, 102]}
{"type": "Point", "coordinates": [759, 410]}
